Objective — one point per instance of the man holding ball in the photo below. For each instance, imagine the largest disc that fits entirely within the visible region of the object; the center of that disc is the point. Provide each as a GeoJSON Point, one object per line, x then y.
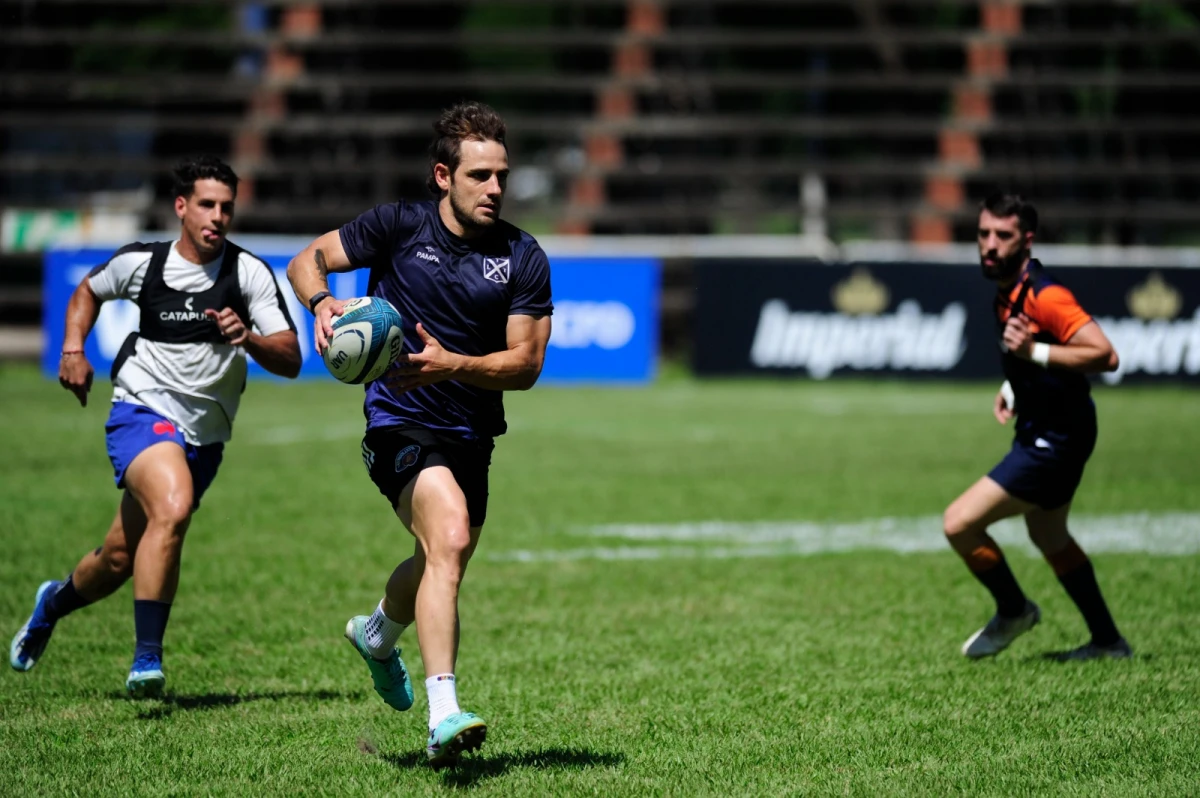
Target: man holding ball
{"type": "Point", "coordinates": [474, 296]}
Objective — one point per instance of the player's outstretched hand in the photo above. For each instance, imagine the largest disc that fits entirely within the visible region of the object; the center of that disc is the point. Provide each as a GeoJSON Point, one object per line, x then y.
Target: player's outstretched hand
{"type": "Point", "coordinates": [1018, 336]}
{"type": "Point", "coordinates": [1001, 408]}
{"type": "Point", "coordinates": [75, 374]}
{"type": "Point", "coordinates": [230, 324]}
{"type": "Point", "coordinates": [327, 309]}
{"type": "Point", "coordinates": [432, 364]}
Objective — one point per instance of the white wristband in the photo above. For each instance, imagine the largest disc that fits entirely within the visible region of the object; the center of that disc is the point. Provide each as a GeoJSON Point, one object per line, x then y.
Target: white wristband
{"type": "Point", "coordinates": [1040, 354]}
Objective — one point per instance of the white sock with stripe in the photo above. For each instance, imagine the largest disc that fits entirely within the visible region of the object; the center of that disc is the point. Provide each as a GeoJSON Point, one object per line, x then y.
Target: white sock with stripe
{"type": "Point", "coordinates": [443, 698]}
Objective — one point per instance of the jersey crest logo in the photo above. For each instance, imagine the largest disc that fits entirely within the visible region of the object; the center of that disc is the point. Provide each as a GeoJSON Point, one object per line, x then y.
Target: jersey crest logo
{"type": "Point", "coordinates": [496, 269]}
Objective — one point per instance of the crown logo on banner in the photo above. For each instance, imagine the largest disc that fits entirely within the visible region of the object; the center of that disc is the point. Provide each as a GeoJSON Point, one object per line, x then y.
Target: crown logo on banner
{"type": "Point", "coordinates": [1154, 299]}
{"type": "Point", "coordinates": [860, 294]}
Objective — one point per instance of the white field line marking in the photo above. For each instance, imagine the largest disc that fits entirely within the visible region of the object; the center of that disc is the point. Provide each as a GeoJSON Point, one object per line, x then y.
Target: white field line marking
{"type": "Point", "coordinates": [1150, 533]}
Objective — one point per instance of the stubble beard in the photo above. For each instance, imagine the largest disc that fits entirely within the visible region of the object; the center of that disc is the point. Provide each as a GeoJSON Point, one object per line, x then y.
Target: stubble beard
{"type": "Point", "coordinates": [469, 223]}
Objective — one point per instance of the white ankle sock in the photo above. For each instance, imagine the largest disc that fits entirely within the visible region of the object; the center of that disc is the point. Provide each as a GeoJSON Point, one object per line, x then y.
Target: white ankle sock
{"type": "Point", "coordinates": [382, 633]}
{"type": "Point", "coordinates": [443, 698]}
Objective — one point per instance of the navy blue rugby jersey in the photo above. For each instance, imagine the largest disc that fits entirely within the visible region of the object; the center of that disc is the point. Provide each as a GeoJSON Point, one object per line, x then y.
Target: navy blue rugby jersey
{"type": "Point", "coordinates": [462, 292]}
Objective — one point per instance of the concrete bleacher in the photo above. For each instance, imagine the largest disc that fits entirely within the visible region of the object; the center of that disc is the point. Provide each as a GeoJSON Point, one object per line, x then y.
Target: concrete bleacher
{"type": "Point", "coordinates": [852, 120]}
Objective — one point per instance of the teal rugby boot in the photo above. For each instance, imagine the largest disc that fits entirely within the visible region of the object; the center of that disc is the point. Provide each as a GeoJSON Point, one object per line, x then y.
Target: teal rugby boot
{"type": "Point", "coordinates": [462, 731]}
{"type": "Point", "coordinates": [389, 675]}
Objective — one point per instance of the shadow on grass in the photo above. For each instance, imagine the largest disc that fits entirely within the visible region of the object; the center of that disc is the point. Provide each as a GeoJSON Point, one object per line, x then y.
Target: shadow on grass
{"type": "Point", "coordinates": [472, 769]}
{"type": "Point", "coordinates": [1066, 655]}
{"type": "Point", "coordinates": [155, 709]}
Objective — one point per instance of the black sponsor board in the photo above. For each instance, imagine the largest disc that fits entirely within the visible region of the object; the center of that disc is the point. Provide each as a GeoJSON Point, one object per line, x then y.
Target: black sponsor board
{"type": "Point", "coordinates": [818, 320]}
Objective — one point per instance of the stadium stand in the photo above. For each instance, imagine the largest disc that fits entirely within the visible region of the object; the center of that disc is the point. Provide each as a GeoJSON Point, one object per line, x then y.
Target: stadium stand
{"type": "Point", "coordinates": [855, 120]}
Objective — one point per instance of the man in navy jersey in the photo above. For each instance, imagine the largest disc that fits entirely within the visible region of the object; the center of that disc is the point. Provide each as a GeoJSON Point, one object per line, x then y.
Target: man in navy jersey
{"type": "Point", "coordinates": [474, 295]}
{"type": "Point", "coordinates": [1049, 345]}
{"type": "Point", "coordinates": [205, 304]}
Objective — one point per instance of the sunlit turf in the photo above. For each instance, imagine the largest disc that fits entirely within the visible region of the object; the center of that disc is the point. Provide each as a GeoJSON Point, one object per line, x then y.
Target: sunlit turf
{"type": "Point", "coordinates": [833, 673]}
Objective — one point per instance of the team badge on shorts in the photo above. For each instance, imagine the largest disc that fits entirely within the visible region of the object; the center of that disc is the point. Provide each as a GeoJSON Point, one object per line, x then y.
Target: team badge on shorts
{"type": "Point", "coordinates": [496, 269]}
{"type": "Point", "coordinates": [407, 457]}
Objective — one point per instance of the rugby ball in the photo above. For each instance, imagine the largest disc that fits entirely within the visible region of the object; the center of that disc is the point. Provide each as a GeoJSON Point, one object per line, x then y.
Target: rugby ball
{"type": "Point", "coordinates": [366, 340]}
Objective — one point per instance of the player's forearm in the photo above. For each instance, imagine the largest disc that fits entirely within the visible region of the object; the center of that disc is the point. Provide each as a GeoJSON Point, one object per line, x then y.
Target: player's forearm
{"type": "Point", "coordinates": [1080, 357]}
{"type": "Point", "coordinates": [278, 353]}
{"type": "Point", "coordinates": [82, 311]}
{"type": "Point", "coordinates": [308, 273]}
{"type": "Point", "coordinates": [511, 370]}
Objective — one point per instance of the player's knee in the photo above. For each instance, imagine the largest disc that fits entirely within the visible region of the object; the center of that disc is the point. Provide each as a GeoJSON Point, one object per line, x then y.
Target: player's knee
{"type": "Point", "coordinates": [952, 521]}
{"type": "Point", "coordinates": [117, 562]}
{"type": "Point", "coordinates": [451, 545]}
{"type": "Point", "coordinates": [1050, 539]}
{"type": "Point", "coordinates": [170, 515]}
{"type": "Point", "coordinates": [955, 521]}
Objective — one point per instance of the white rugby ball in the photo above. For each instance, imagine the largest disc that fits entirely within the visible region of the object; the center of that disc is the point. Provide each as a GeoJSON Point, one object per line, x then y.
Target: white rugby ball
{"type": "Point", "coordinates": [367, 340]}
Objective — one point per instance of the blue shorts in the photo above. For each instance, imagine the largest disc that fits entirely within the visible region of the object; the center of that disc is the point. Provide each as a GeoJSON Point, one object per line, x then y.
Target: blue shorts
{"type": "Point", "coordinates": [131, 429]}
{"type": "Point", "coordinates": [1044, 466]}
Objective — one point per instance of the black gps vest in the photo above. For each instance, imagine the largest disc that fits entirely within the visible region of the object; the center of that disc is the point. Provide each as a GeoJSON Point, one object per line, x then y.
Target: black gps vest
{"type": "Point", "coordinates": [177, 317]}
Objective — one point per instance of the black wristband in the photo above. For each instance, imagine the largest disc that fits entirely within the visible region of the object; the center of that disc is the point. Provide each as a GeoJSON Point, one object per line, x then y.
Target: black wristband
{"type": "Point", "coordinates": [317, 297]}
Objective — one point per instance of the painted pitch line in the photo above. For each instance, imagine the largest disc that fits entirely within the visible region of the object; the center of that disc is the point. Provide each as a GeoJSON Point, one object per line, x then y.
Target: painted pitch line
{"type": "Point", "coordinates": [1148, 533]}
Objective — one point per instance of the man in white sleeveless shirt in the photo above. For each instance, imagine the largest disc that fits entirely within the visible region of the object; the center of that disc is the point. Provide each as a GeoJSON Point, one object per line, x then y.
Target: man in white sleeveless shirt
{"type": "Point", "coordinates": [205, 304]}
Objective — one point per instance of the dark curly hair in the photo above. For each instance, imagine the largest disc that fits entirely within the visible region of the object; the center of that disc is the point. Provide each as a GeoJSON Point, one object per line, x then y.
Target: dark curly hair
{"type": "Point", "coordinates": [1005, 205]}
{"type": "Point", "coordinates": [202, 167]}
{"type": "Point", "coordinates": [467, 120]}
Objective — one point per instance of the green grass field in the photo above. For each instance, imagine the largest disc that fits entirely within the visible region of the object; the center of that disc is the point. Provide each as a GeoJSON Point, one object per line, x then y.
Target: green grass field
{"type": "Point", "coordinates": [616, 644]}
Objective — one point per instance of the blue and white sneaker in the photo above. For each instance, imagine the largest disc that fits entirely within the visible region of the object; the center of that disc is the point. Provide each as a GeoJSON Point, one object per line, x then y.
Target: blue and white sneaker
{"type": "Point", "coordinates": [389, 675]}
{"type": "Point", "coordinates": [462, 731]}
{"type": "Point", "coordinates": [146, 679]}
{"type": "Point", "coordinates": [31, 640]}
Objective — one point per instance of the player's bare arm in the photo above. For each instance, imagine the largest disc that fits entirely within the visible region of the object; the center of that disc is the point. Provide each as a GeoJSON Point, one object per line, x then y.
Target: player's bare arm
{"type": "Point", "coordinates": [278, 353]}
{"type": "Point", "coordinates": [1088, 351]}
{"type": "Point", "coordinates": [75, 373]}
{"type": "Point", "coordinates": [309, 272]}
{"type": "Point", "coordinates": [517, 368]}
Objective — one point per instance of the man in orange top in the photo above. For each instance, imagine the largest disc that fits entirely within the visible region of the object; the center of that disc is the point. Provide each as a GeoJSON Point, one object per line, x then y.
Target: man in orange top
{"type": "Point", "coordinates": [1049, 345]}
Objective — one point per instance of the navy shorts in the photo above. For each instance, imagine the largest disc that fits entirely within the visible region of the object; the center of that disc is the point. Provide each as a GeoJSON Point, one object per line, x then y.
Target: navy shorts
{"type": "Point", "coordinates": [131, 429]}
{"type": "Point", "coordinates": [395, 455]}
{"type": "Point", "coordinates": [1044, 466]}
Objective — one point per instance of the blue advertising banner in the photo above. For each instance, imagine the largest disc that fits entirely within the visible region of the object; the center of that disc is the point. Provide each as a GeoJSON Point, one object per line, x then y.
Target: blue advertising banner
{"type": "Point", "coordinates": [605, 320]}
{"type": "Point", "coordinates": [605, 317]}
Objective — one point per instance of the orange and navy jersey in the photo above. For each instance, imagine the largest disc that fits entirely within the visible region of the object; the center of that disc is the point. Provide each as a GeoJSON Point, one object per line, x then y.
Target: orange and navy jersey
{"type": "Point", "coordinates": [1054, 316]}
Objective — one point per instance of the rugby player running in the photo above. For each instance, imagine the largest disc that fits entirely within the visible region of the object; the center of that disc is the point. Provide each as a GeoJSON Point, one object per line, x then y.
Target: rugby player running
{"type": "Point", "coordinates": [474, 295]}
{"type": "Point", "coordinates": [1049, 344]}
{"type": "Point", "coordinates": [205, 304]}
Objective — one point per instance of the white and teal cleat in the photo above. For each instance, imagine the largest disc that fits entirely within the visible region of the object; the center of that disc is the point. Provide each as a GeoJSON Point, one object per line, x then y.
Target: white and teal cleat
{"type": "Point", "coordinates": [389, 675]}
{"type": "Point", "coordinates": [462, 731]}
{"type": "Point", "coordinates": [146, 679]}
{"type": "Point", "coordinates": [30, 641]}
